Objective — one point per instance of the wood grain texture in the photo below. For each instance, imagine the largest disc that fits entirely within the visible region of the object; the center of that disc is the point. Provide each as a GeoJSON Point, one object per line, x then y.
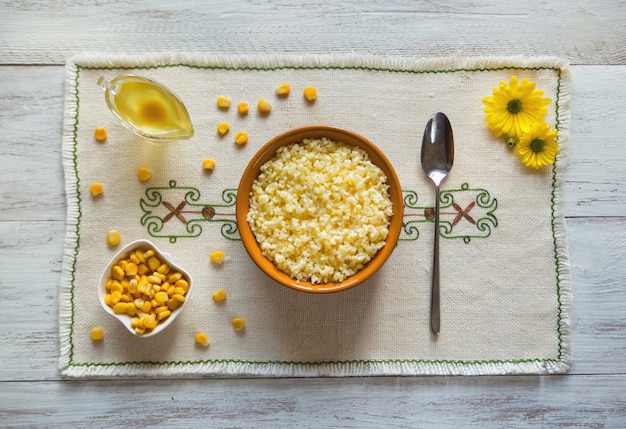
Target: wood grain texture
{"type": "Point", "coordinates": [36, 38]}
{"type": "Point", "coordinates": [48, 32]}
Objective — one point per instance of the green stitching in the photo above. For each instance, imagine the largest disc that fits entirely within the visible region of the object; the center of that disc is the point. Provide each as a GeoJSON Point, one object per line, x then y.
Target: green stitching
{"type": "Point", "coordinates": [165, 218]}
{"type": "Point", "coordinates": [483, 224]}
{"type": "Point", "coordinates": [456, 362]}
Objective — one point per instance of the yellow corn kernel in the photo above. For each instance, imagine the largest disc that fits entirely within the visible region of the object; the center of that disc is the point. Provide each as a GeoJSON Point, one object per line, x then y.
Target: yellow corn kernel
{"type": "Point", "coordinates": [242, 108]}
{"type": "Point", "coordinates": [264, 106]}
{"type": "Point", "coordinates": [116, 286]}
{"type": "Point", "coordinates": [223, 102]}
{"type": "Point", "coordinates": [96, 189]}
{"type": "Point", "coordinates": [113, 237]}
{"type": "Point", "coordinates": [153, 263]}
{"type": "Point", "coordinates": [142, 269]}
{"type": "Point", "coordinates": [131, 309]}
{"type": "Point", "coordinates": [144, 173]}
{"type": "Point", "coordinates": [179, 298]}
{"type": "Point", "coordinates": [120, 308]}
{"type": "Point", "coordinates": [170, 290]}
{"type": "Point", "coordinates": [177, 290]}
{"type": "Point", "coordinates": [161, 309]}
{"type": "Point", "coordinates": [139, 255]}
{"type": "Point", "coordinates": [202, 339]}
{"type": "Point", "coordinates": [107, 300]}
{"type": "Point", "coordinates": [125, 298]}
{"type": "Point", "coordinates": [173, 278]}
{"type": "Point", "coordinates": [149, 321]}
{"type": "Point", "coordinates": [219, 295]}
{"type": "Point", "coordinates": [208, 164]}
{"type": "Point", "coordinates": [96, 333]}
{"type": "Point", "coordinates": [217, 257]}
{"type": "Point", "coordinates": [172, 304]}
{"type": "Point", "coordinates": [130, 269]}
{"type": "Point", "coordinates": [241, 137]}
{"type": "Point", "coordinates": [135, 322]}
{"type": "Point", "coordinates": [238, 323]}
{"type": "Point", "coordinates": [140, 331]}
{"type": "Point", "coordinates": [146, 306]}
{"type": "Point", "coordinates": [283, 89]}
{"type": "Point", "coordinates": [133, 258]}
{"type": "Point", "coordinates": [310, 93]}
{"type": "Point", "coordinates": [161, 297]}
{"type": "Point", "coordinates": [161, 277]}
{"type": "Point", "coordinates": [117, 272]}
{"type": "Point", "coordinates": [154, 280]}
{"type": "Point", "coordinates": [163, 269]}
{"type": "Point", "coordinates": [223, 128]}
{"type": "Point", "coordinates": [183, 284]}
{"type": "Point", "coordinates": [148, 254]}
{"type": "Point", "coordinates": [164, 314]}
{"type": "Point", "coordinates": [100, 134]}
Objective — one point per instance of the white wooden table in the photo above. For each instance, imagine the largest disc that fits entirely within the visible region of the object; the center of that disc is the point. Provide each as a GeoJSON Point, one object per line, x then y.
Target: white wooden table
{"type": "Point", "coordinates": [37, 37]}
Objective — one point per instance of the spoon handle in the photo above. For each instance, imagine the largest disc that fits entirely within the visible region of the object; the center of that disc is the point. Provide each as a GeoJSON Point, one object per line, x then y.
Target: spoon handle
{"type": "Point", "coordinates": [435, 298]}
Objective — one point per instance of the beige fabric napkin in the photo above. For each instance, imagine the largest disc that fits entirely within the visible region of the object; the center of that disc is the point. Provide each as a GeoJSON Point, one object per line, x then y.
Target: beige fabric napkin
{"type": "Point", "coordinates": [505, 276]}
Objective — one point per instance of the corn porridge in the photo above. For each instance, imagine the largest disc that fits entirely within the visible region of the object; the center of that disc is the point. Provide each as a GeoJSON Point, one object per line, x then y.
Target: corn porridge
{"type": "Point", "coordinates": [320, 210]}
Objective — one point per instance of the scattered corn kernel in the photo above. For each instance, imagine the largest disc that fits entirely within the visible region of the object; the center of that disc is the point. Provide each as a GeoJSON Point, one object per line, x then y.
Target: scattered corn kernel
{"type": "Point", "coordinates": [283, 89]}
{"type": "Point", "coordinates": [238, 323]}
{"type": "Point", "coordinates": [97, 333]}
{"type": "Point", "coordinates": [223, 128]}
{"type": "Point", "coordinates": [264, 106]}
{"type": "Point", "coordinates": [217, 257]}
{"type": "Point", "coordinates": [147, 298]}
{"type": "Point", "coordinates": [241, 137]}
{"type": "Point", "coordinates": [223, 102]}
{"type": "Point", "coordinates": [208, 164]}
{"type": "Point", "coordinates": [242, 108]}
{"type": "Point", "coordinates": [310, 93]}
{"type": "Point", "coordinates": [219, 295]}
{"type": "Point", "coordinates": [144, 173]}
{"type": "Point", "coordinates": [100, 134]}
{"type": "Point", "coordinates": [202, 339]}
{"type": "Point", "coordinates": [96, 189]}
{"type": "Point", "coordinates": [113, 238]}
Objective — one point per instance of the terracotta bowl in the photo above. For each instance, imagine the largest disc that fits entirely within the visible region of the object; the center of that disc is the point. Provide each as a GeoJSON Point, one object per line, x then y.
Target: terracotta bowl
{"type": "Point", "coordinates": [164, 257]}
{"type": "Point", "coordinates": [296, 135]}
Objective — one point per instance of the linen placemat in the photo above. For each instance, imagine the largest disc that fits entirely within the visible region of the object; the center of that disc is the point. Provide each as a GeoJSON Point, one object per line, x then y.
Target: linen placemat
{"type": "Point", "coordinates": [505, 277]}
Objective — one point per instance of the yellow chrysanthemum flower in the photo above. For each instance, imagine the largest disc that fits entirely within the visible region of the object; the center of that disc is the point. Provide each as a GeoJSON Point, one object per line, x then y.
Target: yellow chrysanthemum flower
{"type": "Point", "coordinates": [513, 108]}
{"type": "Point", "coordinates": [538, 147]}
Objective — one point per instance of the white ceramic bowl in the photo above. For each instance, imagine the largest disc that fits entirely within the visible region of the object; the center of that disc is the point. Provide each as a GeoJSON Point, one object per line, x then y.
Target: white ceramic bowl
{"type": "Point", "coordinates": [164, 257]}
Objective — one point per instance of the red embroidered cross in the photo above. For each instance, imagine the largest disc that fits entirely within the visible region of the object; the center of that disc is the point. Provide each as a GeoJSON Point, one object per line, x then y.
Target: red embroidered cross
{"type": "Point", "coordinates": [463, 213]}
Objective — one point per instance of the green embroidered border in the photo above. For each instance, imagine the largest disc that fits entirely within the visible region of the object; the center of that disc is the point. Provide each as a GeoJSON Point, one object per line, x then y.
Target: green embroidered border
{"type": "Point", "coordinates": [560, 334]}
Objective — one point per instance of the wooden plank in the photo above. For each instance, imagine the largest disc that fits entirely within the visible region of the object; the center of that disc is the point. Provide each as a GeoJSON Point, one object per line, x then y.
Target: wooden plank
{"type": "Point", "coordinates": [32, 253]}
{"type": "Point", "coordinates": [50, 32]}
{"type": "Point", "coordinates": [519, 402]}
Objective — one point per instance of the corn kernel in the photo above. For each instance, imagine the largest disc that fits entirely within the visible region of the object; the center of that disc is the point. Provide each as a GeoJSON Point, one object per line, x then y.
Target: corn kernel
{"type": "Point", "coordinates": [139, 255]}
{"type": "Point", "coordinates": [97, 333]}
{"type": "Point", "coordinates": [140, 331]}
{"type": "Point", "coordinates": [223, 128]}
{"type": "Point", "coordinates": [183, 284]}
{"type": "Point", "coordinates": [164, 314]}
{"type": "Point", "coordinates": [149, 321]}
{"type": "Point", "coordinates": [120, 308]}
{"type": "Point", "coordinates": [219, 295]}
{"type": "Point", "coordinates": [133, 258]}
{"type": "Point", "coordinates": [217, 257]}
{"type": "Point", "coordinates": [283, 89]}
{"type": "Point", "coordinates": [116, 286]}
{"type": "Point", "coordinates": [146, 306]}
{"type": "Point", "coordinates": [208, 164]}
{"type": "Point", "coordinates": [153, 263]}
{"type": "Point", "coordinates": [238, 323]}
{"type": "Point", "coordinates": [96, 189]}
{"type": "Point", "coordinates": [131, 309]}
{"type": "Point", "coordinates": [310, 93]}
{"type": "Point", "coordinates": [144, 173]}
{"type": "Point", "coordinates": [223, 102]}
{"type": "Point", "coordinates": [142, 269]}
{"type": "Point", "coordinates": [135, 322]}
{"type": "Point", "coordinates": [172, 304]}
{"type": "Point", "coordinates": [173, 278]}
{"type": "Point", "coordinates": [148, 254]}
{"type": "Point", "coordinates": [242, 108]}
{"type": "Point", "coordinates": [161, 297]}
{"type": "Point", "coordinates": [202, 339]}
{"type": "Point", "coordinates": [241, 137]}
{"type": "Point", "coordinates": [117, 272]}
{"type": "Point", "coordinates": [264, 106]}
{"type": "Point", "coordinates": [113, 238]}
{"type": "Point", "coordinates": [177, 290]}
{"type": "Point", "coordinates": [179, 298]}
{"type": "Point", "coordinates": [100, 134]}
{"type": "Point", "coordinates": [130, 269]}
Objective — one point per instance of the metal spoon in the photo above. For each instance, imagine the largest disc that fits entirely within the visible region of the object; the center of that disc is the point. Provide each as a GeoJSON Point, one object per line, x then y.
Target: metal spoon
{"type": "Point", "coordinates": [437, 158]}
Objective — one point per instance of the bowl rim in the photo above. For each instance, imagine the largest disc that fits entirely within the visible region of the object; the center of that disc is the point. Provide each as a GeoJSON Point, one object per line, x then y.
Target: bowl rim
{"type": "Point", "coordinates": [294, 135]}
{"type": "Point", "coordinates": [124, 318]}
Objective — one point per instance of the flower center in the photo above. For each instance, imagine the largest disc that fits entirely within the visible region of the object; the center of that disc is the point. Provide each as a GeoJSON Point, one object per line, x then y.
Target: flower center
{"type": "Point", "coordinates": [514, 106]}
{"type": "Point", "coordinates": [537, 145]}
